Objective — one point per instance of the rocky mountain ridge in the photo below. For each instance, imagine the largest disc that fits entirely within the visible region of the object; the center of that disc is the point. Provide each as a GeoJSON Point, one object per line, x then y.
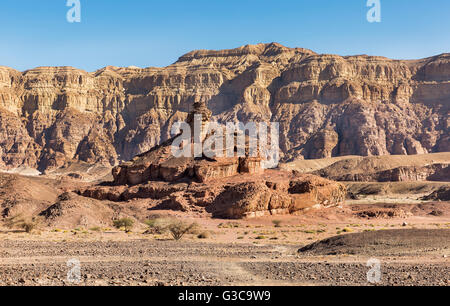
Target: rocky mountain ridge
{"type": "Point", "coordinates": [327, 105]}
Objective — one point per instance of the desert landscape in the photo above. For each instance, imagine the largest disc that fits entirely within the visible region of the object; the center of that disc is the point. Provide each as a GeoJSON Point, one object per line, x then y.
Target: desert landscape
{"type": "Point", "coordinates": [409, 236]}
{"type": "Point", "coordinates": [87, 172]}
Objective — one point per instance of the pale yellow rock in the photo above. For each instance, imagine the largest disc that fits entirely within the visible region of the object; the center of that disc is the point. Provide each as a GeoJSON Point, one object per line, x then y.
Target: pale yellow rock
{"type": "Point", "coordinates": [327, 105]}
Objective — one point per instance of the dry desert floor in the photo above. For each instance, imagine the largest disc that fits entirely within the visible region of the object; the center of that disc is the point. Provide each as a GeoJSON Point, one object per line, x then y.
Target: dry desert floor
{"type": "Point", "coordinates": [411, 242]}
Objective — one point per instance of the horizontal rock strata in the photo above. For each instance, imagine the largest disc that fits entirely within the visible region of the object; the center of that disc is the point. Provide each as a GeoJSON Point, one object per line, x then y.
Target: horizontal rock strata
{"type": "Point", "coordinates": [240, 196]}
{"type": "Point", "coordinates": [327, 105]}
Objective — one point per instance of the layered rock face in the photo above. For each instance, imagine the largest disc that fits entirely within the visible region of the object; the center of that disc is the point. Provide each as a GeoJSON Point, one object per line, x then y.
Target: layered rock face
{"type": "Point", "coordinates": [436, 172]}
{"type": "Point", "coordinates": [240, 196]}
{"type": "Point", "coordinates": [161, 164]}
{"type": "Point", "coordinates": [225, 186]}
{"type": "Point", "coordinates": [427, 167]}
{"type": "Point", "coordinates": [327, 105]}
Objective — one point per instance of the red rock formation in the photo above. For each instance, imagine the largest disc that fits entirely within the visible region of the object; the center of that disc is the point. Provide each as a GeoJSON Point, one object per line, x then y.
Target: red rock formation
{"type": "Point", "coordinates": [228, 187]}
{"type": "Point", "coordinates": [160, 164]}
{"type": "Point", "coordinates": [240, 196]}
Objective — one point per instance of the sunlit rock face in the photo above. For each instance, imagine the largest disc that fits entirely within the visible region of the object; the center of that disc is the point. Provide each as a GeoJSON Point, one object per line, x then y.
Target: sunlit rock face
{"type": "Point", "coordinates": [327, 105]}
{"type": "Point", "coordinates": [245, 195]}
{"type": "Point", "coordinates": [161, 164]}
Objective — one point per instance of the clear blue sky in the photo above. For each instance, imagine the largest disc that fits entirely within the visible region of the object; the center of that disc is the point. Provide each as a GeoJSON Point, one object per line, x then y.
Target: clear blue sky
{"type": "Point", "coordinates": [155, 33]}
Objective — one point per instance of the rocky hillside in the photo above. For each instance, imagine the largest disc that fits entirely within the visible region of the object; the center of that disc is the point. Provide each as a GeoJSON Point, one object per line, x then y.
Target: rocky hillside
{"type": "Point", "coordinates": [327, 105]}
{"type": "Point", "coordinates": [253, 195]}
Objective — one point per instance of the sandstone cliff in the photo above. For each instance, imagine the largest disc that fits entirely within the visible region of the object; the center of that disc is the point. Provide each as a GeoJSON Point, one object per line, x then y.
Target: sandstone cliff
{"type": "Point", "coordinates": [327, 105]}
{"type": "Point", "coordinates": [394, 168]}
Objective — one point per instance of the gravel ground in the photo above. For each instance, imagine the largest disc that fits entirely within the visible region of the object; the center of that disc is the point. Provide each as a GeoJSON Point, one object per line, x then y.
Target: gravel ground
{"type": "Point", "coordinates": [166, 263]}
{"type": "Point", "coordinates": [349, 274]}
{"type": "Point", "coordinates": [404, 242]}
